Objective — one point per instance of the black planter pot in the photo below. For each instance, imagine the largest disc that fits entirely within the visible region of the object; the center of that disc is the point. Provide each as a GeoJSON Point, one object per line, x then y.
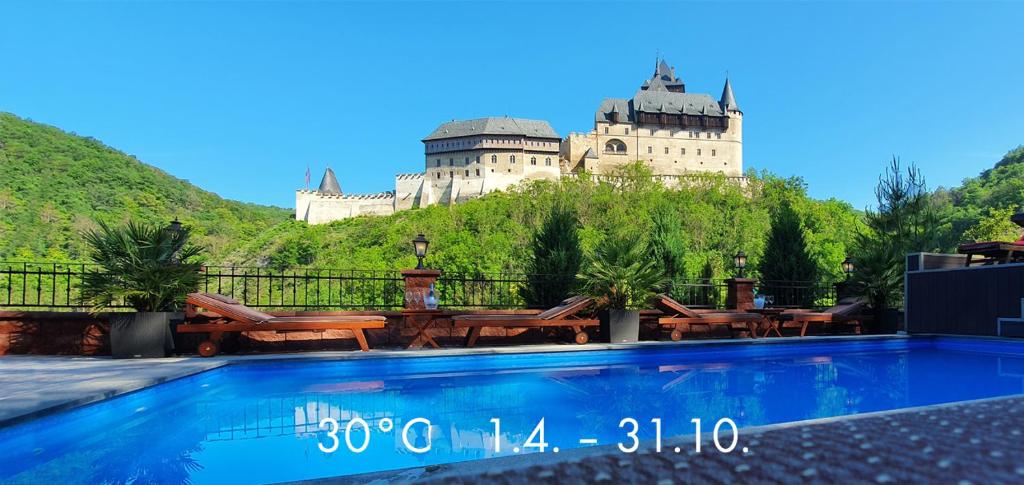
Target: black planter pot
{"type": "Point", "coordinates": [142, 334]}
{"type": "Point", "coordinates": [620, 326]}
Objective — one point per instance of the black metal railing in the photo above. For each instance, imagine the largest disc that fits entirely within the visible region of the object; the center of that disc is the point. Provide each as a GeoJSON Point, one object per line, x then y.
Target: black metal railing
{"type": "Point", "coordinates": [26, 285]}
{"type": "Point", "coordinates": [44, 285]}
{"type": "Point", "coordinates": [699, 292]}
{"type": "Point", "coordinates": [798, 294]}
{"type": "Point", "coordinates": [482, 290]}
{"type": "Point", "coordinates": [306, 288]}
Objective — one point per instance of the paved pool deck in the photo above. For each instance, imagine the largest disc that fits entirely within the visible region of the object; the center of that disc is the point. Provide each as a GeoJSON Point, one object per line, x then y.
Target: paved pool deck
{"type": "Point", "coordinates": [36, 385]}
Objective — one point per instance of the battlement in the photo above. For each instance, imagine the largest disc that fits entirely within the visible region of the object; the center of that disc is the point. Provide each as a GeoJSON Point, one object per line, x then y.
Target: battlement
{"type": "Point", "coordinates": [409, 176]}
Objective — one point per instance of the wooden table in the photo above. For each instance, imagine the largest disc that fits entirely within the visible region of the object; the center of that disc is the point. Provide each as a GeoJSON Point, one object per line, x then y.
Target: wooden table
{"type": "Point", "coordinates": [421, 320]}
{"type": "Point", "coordinates": [771, 315]}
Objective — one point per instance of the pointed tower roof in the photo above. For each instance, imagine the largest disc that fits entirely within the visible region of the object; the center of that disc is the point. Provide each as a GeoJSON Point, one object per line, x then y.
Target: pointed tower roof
{"type": "Point", "coordinates": [728, 101]}
{"type": "Point", "coordinates": [329, 184]}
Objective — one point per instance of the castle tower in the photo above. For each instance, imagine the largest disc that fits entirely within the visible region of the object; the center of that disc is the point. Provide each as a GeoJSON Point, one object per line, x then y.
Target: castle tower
{"type": "Point", "coordinates": [732, 110]}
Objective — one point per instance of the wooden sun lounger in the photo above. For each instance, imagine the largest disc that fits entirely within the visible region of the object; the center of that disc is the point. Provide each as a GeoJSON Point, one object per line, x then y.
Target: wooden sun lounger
{"type": "Point", "coordinates": [680, 317]}
{"type": "Point", "coordinates": [565, 315]}
{"type": "Point", "coordinates": [232, 316]}
{"type": "Point", "coordinates": [846, 312]}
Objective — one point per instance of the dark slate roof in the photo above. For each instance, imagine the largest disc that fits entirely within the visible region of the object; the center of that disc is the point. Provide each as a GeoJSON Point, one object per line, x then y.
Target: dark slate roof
{"type": "Point", "coordinates": [329, 184]}
{"type": "Point", "coordinates": [728, 100]}
{"type": "Point", "coordinates": [493, 126]}
{"type": "Point", "coordinates": [651, 101]}
{"type": "Point", "coordinates": [590, 153]}
{"type": "Point", "coordinates": [664, 79]}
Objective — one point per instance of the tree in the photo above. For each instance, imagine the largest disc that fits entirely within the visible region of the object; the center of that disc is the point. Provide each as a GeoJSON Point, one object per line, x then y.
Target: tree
{"type": "Point", "coordinates": [786, 257]}
{"type": "Point", "coordinates": [995, 225]}
{"type": "Point", "coordinates": [667, 246]}
{"type": "Point", "coordinates": [555, 261]}
{"type": "Point", "coordinates": [904, 222]}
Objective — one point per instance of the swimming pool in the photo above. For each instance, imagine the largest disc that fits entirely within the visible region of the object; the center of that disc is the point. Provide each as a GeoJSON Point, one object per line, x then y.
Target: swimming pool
{"type": "Point", "coordinates": [261, 422]}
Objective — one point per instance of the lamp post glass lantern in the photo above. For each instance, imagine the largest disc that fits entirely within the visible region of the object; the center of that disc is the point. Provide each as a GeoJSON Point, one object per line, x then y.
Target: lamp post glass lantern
{"type": "Point", "coordinates": [740, 260]}
{"type": "Point", "coordinates": [847, 267]}
{"type": "Point", "coordinates": [175, 226]}
{"type": "Point", "coordinates": [419, 245]}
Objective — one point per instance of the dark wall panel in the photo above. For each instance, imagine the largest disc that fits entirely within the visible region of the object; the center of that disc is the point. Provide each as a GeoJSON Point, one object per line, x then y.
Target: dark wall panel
{"type": "Point", "coordinates": [965, 301]}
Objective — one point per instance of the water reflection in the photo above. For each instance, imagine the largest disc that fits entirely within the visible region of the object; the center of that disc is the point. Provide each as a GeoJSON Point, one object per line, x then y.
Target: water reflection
{"type": "Point", "coordinates": [261, 423]}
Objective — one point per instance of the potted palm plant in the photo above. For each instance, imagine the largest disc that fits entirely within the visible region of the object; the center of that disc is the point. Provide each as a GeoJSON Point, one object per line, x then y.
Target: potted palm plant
{"type": "Point", "coordinates": [622, 279]}
{"type": "Point", "coordinates": [148, 268]}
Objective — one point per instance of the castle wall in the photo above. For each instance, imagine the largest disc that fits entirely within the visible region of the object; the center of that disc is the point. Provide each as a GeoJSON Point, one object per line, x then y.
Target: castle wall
{"type": "Point", "coordinates": [322, 209]}
{"type": "Point", "coordinates": [409, 191]}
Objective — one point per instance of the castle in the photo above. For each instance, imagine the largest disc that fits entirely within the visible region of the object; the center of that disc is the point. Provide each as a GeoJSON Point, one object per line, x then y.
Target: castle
{"type": "Point", "coordinates": [676, 133]}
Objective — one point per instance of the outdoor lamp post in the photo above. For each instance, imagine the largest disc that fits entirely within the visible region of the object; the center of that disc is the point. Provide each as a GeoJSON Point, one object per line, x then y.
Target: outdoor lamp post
{"type": "Point", "coordinates": [174, 227]}
{"type": "Point", "coordinates": [847, 267]}
{"type": "Point", "coordinates": [419, 244]}
{"type": "Point", "coordinates": [740, 260]}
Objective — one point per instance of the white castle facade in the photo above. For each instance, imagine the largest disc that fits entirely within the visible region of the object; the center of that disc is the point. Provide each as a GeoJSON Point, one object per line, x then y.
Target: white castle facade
{"type": "Point", "coordinates": [677, 134]}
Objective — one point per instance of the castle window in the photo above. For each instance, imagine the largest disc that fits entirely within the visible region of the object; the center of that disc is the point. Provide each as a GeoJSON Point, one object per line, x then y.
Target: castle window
{"type": "Point", "coordinates": [478, 172]}
{"type": "Point", "coordinates": [478, 159]}
{"type": "Point", "coordinates": [547, 161]}
{"type": "Point", "coordinates": [511, 159]}
{"type": "Point", "coordinates": [467, 160]}
{"type": "Point", "coordinates": [718, 135]}
{"type": "Point", "coordinates": [698, 153]}
{"type": "Point", "coordinates": [712, 152]}
{"type": "Point", "coordinates": [709, 135]}
{"type": "Point", "coordinates": [533, 160]}
{"type": "Point", "coordinates": [451, 174]}
{"type": "Point", "coordinates": [438, 162]}
{"type": "Point", "coordinates": [451, 161]}
{"type": "Point", "coordinates": [494, 159]}
{"type": "Point", "coordinates": [682, 151]}
{"type": "Point", "coordinates": [606, 130]}
{"type": "Point", "coordinates": [614, 146]}
{"type": "Point", "coordinates": [650, 149]}
{"type": "Point", "coordinates": [627, 130]}
{"type": "Point", "coordinates": [467, 173]}
{"type": "Point", "coordinates": [666, 150]}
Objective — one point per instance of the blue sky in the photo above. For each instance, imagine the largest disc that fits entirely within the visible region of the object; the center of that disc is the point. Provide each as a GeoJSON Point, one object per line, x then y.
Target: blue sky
{"type": "Point", "coordinates": [240, 97]}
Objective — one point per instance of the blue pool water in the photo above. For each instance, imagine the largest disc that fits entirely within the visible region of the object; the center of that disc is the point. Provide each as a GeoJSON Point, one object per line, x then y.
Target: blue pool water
{"type": "Point", "coordinates": [260, 422]}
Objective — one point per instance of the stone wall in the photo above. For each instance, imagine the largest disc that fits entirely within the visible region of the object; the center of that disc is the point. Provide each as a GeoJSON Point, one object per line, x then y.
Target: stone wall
{"type": "Point", "coordinates": [316, 208]}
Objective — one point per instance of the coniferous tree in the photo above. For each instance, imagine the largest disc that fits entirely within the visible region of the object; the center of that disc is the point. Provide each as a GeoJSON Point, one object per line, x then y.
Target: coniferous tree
{"type": "Point", "coordinates": [555, 261]}
{"type": "Point", "coordinates": [786, 259]}
{"type": "Point", "coordinates": [667, 246]}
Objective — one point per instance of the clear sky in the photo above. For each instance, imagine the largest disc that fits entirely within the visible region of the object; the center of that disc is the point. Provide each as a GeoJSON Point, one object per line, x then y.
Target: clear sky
{"type": "Point", "coordinates": [239, 97]}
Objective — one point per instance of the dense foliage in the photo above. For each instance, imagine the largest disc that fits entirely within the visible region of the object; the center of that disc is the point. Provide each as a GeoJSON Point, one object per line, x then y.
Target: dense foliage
{"type": "Point", "coordinates": [54, 186]}
{"type": "Point", "coordinates": [555, 260]}
{"type": "Point", "coordinates": [147, 266]}
{"type": "Point", "coordinates": [786, 257]}
{"type": "Point", "coordinates": [977, 210]}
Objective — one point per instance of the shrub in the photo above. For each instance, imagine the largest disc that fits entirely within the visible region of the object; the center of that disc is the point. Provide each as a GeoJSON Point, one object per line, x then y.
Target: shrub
{"type": "Point", "coordinates": [145, 266]}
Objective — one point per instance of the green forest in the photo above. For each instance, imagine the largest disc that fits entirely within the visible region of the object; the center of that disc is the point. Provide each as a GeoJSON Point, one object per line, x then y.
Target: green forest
{"type": "Point", "coordinates": [54, 186]}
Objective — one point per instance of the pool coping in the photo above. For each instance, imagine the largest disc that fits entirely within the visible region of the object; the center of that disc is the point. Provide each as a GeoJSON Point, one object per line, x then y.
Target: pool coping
{"type": "Point", "coordinates": [472, 470]}
{"type": "Point", "coordinates": [204, 364]}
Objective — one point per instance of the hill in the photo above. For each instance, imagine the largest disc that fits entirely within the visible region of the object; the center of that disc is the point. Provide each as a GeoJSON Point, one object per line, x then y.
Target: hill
{"type": "Point", "coordinates": [979, 209]}
{"type": "Point", "coordinates": [54, 185]}
{"type": "Point", "coordinates": [493, 233]}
